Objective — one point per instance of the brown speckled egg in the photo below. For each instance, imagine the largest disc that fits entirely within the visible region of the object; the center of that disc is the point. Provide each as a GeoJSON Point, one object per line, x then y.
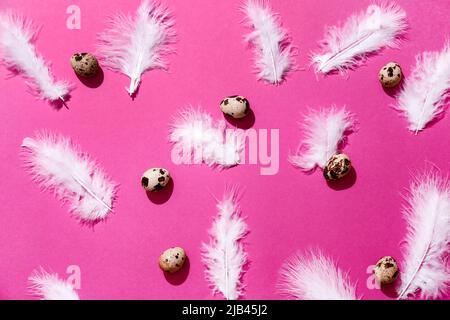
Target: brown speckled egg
{"type": "Point", "coordinates": [337, 167]}
{"type": "Point", "coordinates": [172, 259]}
{"type": "Point", "coordinates": [235, 106]}
{"type": "Point", "coordinates": [84, 64]}
{"type": "Point", "coordinates": [390, 75]}
{"type": "Point", "coordinates": [155, 179]}
{"type": "Point", "coordinates": [386, 270]}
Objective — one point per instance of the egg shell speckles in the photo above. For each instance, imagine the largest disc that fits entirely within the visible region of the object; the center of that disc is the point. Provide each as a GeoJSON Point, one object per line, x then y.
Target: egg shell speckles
{"type": "Point", "coordinates": [390, 75]}
{"type": "Point", "coordinates": [84, 64]}
{"type": "Point", "coordinates": [235, 106]}
{"type": "Point", "coordinates": [337, 167]}
{"type": "Point", "coordinates": [386, 270]}
{"type": "Point", "coordinates": [155, 179]}
{"type": "Point", "coordinates": [172, 260]}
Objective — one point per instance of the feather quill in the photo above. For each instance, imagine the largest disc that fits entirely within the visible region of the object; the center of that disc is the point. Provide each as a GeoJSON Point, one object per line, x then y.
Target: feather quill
{"type": "Point", "coordinates": [197, 138]}
{"type": "Point", "coordinates": [326, 131]}
{"type": "Point", "coordinates": [273, 51]}
{"type": "Point", "coordinates": [57, 164]}
{"type": "Point", "coordinates": [314, 277]}
{"type": "Point", "coordinates": [426, 91]}
{"type": "Point", "coordinates": [224, 256]}
{"type": "Point", "coordinates": [18, 53]}
{"type": "Point", "coordinates": [348, 46]}
{"type": "Point", "coordinates": [427, 241]}
{"type": "Point", "coordinates": [48, 286]}
{"type": "Point", "coordinates": [134, 45]}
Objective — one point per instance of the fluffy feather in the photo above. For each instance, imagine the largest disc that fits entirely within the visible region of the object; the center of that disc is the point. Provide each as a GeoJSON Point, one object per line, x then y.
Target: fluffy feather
{"type": "Point", "coordinates": [17, 53]}
{"type": "Point", "coordinates": [224, 256]}
{"type": "Point", "coordinates": [426, 91]}
{"type": "Point", "coordinates": [314, 277]}
{"type": "Point", "coordinates": [427, 215]}
{"type": "Point", "coordinates": [326, 131]}
{"type": "Point", "coordinates": [196, 137]}
{"type": "Point", "coordinates": [134, 45]}
{"type": "Point", "coordinates": [49, 286]}
{"type": "Point", "coordinates": [347, 46]}
{"type": "Point", "coordinates": [58, 165]}
{"type": "Point", "coordinates": [273, 51]}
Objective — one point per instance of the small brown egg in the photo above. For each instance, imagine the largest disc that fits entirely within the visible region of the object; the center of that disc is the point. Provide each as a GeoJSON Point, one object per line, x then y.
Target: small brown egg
{"type": "Point", "coordinates": [337, 167]}
{"type": "Point", "coordinates": [84, 64]}
{"type": "Point", "coordinates": [172, 260]}
{"type": "Point", "coordinates": [390, 75]}
{"type": "Point", "coordinates": [386, 270]}
{"type": "Point", "coordinates": [235, 106]}
{"type": "Point", "coordinates": [155, 179]}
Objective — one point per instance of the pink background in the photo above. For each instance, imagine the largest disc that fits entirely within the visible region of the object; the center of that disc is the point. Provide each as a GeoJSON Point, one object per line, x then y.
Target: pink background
{"type": "Point", "coordinates": [285, 212]}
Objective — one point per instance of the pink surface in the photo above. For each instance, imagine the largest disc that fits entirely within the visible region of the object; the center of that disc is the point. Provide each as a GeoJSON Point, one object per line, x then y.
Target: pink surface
{"type": "Point", "coordinates": [285, 212]}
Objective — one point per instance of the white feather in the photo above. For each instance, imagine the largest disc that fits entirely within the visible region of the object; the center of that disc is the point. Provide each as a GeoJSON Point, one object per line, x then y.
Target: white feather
{"type": "Point", "coordinates": [273, 51]}
{"type": "Point", "coordinates": [348, 46]}
{"type": "Point", "coordinates": [17, 52]}
{"type": "Point", "coordinates": [58, 165]}
{"type": "Point", "coordinates": [224, 256]}
{"type": "Point", "coordinates": [314, 277]}
{"type": "Point", "coordinates": [426, 91]}
{"type": "Point", "coordinates": [427, 242]}
{"type": "Point", "coordinates": [133, 45]}
{"type": "Point", "coordinates": [325, 132]}
{"type": "Point", "coordinates": [197, 138]}
{"type": "Point", "coordinates": [49, 286]}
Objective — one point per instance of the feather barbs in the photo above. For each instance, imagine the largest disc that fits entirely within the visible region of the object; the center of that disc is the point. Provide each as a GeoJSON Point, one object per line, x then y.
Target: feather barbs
{"type": "Point", "coordinates": [427, 214]}
{"type": "Point", "coordinates": [197, 138]}
{"type": "Point", "coordinates": [18, 53]}
{"type": "Point", "coordinates": [348, 46]}
{"type": "Point", "coordinates": [325, 132]}
{"type": "Point", "coordinates": [224, 257]}
{"type": "Point", "coordinates": [58, 165]}
{"type": "Point", "coordinates": [426, 92]}
{"type": "Point", "coordinates": [134, 45]}
{"type": "Point", "coordinates": [48, 286]}
{"type": "Point", "coordinates": [314, 276]}
{"type": "Point", "coordinates": [273, 50]}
